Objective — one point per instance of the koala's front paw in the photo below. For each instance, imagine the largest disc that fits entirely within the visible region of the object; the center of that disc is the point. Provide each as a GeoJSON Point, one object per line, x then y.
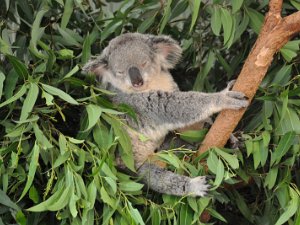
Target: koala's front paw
{"type": "Point", "coordinates": [233, 99]}
{"type": "Point", "coordinates": [197, 186]}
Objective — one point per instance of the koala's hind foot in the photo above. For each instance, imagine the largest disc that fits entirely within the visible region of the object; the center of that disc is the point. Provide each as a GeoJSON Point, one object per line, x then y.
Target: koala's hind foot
{"type": "Point", "coordinates": [198, 186]}
{"type": "Point", "coordinates": [167, 182]}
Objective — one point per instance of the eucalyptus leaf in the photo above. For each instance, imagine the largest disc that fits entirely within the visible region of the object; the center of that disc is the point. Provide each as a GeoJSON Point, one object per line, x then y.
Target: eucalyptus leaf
{"type": "Point", "coordinates": [2, 78]}
{"type": "Point", "coordinates": [29, 101]}
{"type": "Point", "coordinates": [32, 169]}
{"type": "Point", "coordinates": [61, 94]}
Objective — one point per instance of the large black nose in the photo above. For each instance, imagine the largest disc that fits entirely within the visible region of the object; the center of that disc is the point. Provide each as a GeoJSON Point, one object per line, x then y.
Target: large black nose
{"type": "Point", "coordinates": [135, 77]}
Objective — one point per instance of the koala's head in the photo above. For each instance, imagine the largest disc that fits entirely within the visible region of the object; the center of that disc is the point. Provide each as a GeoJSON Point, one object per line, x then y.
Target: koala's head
{"type": "Point", "coordinates": [132, 61]}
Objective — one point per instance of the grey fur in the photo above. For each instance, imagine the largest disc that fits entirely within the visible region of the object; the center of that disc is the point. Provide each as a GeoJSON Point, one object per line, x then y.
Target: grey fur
{"type": "Point", "coordinates": [135, 66]}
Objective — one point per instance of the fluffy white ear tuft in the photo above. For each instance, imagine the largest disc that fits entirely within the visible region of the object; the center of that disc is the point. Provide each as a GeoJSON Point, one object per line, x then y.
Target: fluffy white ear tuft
{"type": "Point", "coordinates": [167, 50]}
{"type": "Point", "coordinates": [97, 66]}
{"type": "Point", "coordinates": [94, 64]}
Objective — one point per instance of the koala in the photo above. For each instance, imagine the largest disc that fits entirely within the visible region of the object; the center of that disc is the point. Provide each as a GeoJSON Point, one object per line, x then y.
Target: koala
{"type": "Point", "coordinates": [136, 67]}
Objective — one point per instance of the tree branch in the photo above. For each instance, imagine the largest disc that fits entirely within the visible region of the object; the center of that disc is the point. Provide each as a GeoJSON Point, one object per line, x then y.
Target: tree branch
{"type": "Point", "coordinates": [276, 31]}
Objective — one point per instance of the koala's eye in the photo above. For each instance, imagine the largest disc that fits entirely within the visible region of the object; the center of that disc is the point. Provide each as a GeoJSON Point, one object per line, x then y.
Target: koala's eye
{"type": "Point", "coordinates": [120, 73]}
{"type": "Point", "coordinates": [144, 64]}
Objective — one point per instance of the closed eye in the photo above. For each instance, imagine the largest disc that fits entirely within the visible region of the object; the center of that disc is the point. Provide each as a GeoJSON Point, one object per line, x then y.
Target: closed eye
{"type": "Point", "coordinates": [144, 64]}
{"type": "Point", "coordinates": [120, 73]}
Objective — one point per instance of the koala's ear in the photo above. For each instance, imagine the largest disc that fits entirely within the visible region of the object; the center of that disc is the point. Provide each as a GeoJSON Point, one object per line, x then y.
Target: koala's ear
{"type": "Point", "coordinates": [97, 66]}
{"type": "Point", "coordinates": [167, 49]}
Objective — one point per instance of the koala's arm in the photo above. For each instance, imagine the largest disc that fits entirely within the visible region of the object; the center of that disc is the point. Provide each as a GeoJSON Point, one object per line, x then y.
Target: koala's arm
{"type": "Point", "coordinates": [178, 109]}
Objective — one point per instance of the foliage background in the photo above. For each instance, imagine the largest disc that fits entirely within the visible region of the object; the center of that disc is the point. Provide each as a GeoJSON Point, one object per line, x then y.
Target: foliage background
{"type": "Point", "coordinates": [57, 170]}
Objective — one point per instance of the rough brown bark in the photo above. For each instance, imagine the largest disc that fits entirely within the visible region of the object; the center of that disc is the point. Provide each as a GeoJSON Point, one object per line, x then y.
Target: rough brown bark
{"type": "Point", "coordinates": [275, 32]}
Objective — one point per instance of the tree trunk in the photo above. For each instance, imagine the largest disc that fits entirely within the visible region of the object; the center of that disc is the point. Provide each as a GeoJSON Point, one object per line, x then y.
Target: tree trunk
{"type": "Point", "coordinates": [276, 31]}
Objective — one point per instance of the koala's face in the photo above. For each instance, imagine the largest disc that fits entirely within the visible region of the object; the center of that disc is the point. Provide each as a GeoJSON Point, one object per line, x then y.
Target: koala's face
{"type": "Point", "coordinates": [132, 63]}
{"type": "Point", "coordinates": [136, 62]}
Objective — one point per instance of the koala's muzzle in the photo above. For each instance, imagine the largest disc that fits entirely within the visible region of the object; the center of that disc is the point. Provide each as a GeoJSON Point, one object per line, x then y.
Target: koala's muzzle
{"type": "Point", "coordinates": [135, 77]}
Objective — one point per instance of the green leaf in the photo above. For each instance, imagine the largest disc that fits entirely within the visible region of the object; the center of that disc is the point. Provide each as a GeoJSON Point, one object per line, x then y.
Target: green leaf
{"type": "Point", "coordinates": [212, 162]}
{"type": "Point", "coordinates": [20, 218]}
{"type": "Point", "coordinates": [110, 28]}
{"type": "Point", "coordinates": [256, 154]}
{"type": "Point", "coordinates": [135, 214]}
{"type": "Point", "coordinates": [193, 135]}
{"type": "Point", "coordinates": [107, 171]}
{"type": "Point", "coordinates": [284, 145]}
{"type": "Point", "coordinates": [2, 78]}
{"type": "Point", "coordinates": [66, 54]}
{"type": "Point", "coordinates": [57, 201]}
{"type": "Point", "coordinates": [33, 194]}
{"type": "Point", "coordinates": [263, 153]}
{"type": "Point", "coordinates": [236, 5]}
{"type": "Point", "coordinates": [244, 209]}
{"type": "Point", "coordinates": [295, 4]}
{"type": "Point", "coordinates": [202, 75]}
{"type": "Point", "coordinates": [92, 193]}
{"type": "Point", "coordinates": [195, 7]}
{"type": "Point", "coordinates": [145, 24]}
{"type": "Point", "coordinates": [185, 214]}
{"type": "Point", "coordinates": [155, 215]}
{"type": "Point", "coordinates": [94, 113]}
{"type": "Point", "coordinates": [231, 159]}
{"type": "Point", "coordinates": [124, 140]}
{"type": "Point", "coordinates": [288, 54]}
{"type": "Point", "coordinates": [285, 71]}
{"type": "Point", "coordinates": [72, 205]}
{"type": "Point", "coordinates": [62, 201]}
{"type": "Point", "coordinates": [61, 94]}
{"type": "Point", "coordinates": [219, 174]}
{"type": "Point", "coordinates": [290, 209]}
{"type": "Point", "coordinates": [130, 186]}
{"type": "Point", "coordinates": [256, 19]}
{"type": "Point", "coordinates": [112, 183]}
{"type": "Point", "coordinates": [102, 136]}
{"type": "Point", "coordinates": [81, 186]}
{"type": "Point", "coordinates": [166, 16]}
{"type": "Point", "coordinates": [216, 21]}
{"type": "Point", "coordinates": [32, 169]}
{"type": "Point", "coordinates": [227, 23]}
{"type": "Point", "coordinates": [193, 203]}
{"type": "Point", "coordinates": [86, 49]}
{"type": "Point", "coordinates": [106, 198]}
{"type": "Point", "coordinates": [5, 47]}
{"type": "Point", "coordinates": [29, 101]}
{"type": "Point", "coordinates": [41, 138]}
{"type": "Point", "coordinates": [271, 178]}
{"type": "Point", "coordinates": [49, 98]}
{"type": "Point", "coordinates": [43, 205]}
{"type": "Point", "coordinates": [10, 83]}
{"type": "Point", "coordinates": [19, 67]}
{"type": "Point", "coordinates": [61, 159]}
{"type": "Point", "coordinates": [37, 32]}
{"type": "Point", "coordinates": [68, 9]}
{"type": "Point", "coordinates": [5, 200]}
{"type": "Point", "coordinates": [67, 36]}
{"type": "Point", "coordinates": [170, 158]}
{"type": "Point", "coordinates": [62, 144]}
{"type": "Point", "coordinates": [18, 95]}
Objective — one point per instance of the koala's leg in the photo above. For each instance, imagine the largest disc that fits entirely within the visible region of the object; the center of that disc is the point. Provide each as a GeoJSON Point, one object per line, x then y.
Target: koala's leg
{"type": "Point", "coordinates": [166, 182]}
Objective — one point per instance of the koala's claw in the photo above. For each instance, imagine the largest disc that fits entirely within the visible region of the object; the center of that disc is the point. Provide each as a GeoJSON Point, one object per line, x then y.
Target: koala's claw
{"type": "Point", "coordinates": [230, 85]}
{"type": "Point", "coordinates": [198, 186]}
{"type": "Point", "coordinates": [234, 99]}
{"type": "Point", "coordinates": [236, 94]}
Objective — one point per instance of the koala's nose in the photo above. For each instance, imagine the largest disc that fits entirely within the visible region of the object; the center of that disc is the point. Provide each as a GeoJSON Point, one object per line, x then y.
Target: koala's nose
{"type": "Point", "coordinates": [135, 77]}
